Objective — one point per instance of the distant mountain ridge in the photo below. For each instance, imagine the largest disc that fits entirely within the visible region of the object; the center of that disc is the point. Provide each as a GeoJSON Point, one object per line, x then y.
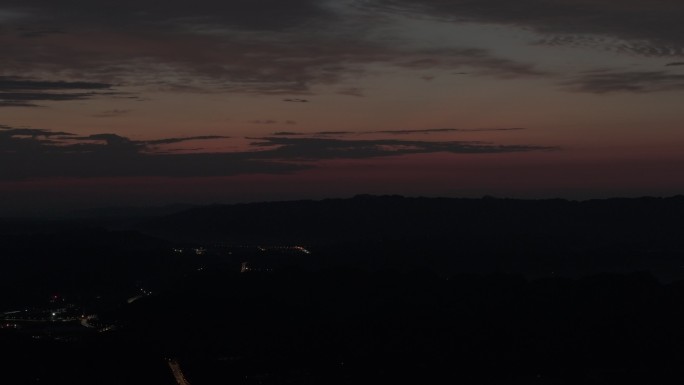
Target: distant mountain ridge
{"type": "Point", "coordinates": [370, 217]}
{"type": "Point", "coordinates": [532, 237]}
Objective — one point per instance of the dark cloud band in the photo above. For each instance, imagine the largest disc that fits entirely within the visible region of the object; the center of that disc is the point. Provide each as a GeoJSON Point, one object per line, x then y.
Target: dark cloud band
{"type": "Point", "coordinates": [24, 92]}
{"type": "Point", "coordinates": [36, 153]}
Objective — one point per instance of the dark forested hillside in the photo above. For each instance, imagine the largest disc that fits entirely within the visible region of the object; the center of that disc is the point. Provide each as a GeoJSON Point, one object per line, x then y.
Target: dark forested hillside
{"type": "Point", "coordinates": [529, 236]}
{"type": "Point", "coordinates": [367, 290]}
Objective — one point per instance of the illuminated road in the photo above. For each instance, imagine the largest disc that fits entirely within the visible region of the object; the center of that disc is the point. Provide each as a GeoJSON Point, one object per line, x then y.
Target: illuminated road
{"type": "Point", "coordinates": [177, 372]}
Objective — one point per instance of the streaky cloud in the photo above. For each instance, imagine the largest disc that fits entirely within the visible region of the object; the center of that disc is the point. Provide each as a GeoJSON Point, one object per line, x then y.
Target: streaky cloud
{"type": "Point", "coordinates": [397, 132]}
{"type": "Point", "coordinates": [26, 92]}
{"type": "Point", "coordinates": [13, 83]}
{"type": "Point", "coordinates": [646, 28]}
{"type": "Point", "coordinates": [440, 130]}
{"type": "Point", "coordinates": [634, 82]}
{"type": "Point", "coordinates": [40, 153]}
{"type": "Point", "coordinates": [185, 139]}
{"type": "Point", "coordinates": [311, 149]}
{"type": "Point", "coordinates": [37, 153]}
{"type": "Point", "coordinates": [259, 47]}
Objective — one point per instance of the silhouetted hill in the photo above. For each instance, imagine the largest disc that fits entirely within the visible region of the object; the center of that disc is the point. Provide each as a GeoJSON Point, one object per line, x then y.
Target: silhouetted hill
{"type": "Point", "coordinates": [386, 290]}
{"type": "Point", "coordinates": [346, 326]}
{"type": "Point", "coordinates": [40, 258]}
{"type": "Point", "coordinates": [531, 236]}
{"type": "Point", "coordinates": [129, 212]}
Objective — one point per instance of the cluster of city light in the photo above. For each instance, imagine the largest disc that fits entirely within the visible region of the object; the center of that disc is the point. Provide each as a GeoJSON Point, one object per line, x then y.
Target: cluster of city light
{"type": "Point", "coordinates": [54, 315]}
{"type": "Point", "coordinates": [107, 328]}
{"type": "Point", "coordinates": [302, 249]}
{"type": "Point", "coordinates": [295, 248]}
{"type": "Point", "coordinates": [201, 250]}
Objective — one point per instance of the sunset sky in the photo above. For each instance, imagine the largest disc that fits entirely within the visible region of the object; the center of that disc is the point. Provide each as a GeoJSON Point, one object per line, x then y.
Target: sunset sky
{"type": "Point", "coordinates": [152, 102]}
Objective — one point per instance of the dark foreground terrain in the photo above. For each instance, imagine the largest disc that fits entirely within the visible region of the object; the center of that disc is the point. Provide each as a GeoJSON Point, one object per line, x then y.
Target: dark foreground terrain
{"type": "Point", "coordinates": [361, 291]}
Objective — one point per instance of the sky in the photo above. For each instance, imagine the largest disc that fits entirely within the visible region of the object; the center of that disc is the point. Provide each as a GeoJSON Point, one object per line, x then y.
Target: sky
{"type": "Point", "coordinates": [147, 102]}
